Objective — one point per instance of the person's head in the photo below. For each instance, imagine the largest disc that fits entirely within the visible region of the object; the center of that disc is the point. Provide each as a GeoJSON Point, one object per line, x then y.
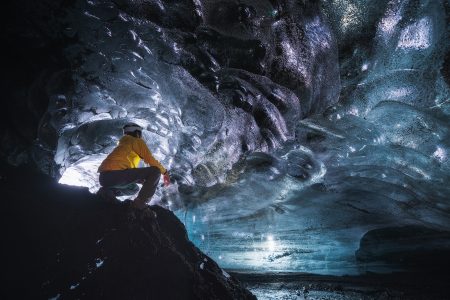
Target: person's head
{"type": "Point", "coordinates": [132, 129]}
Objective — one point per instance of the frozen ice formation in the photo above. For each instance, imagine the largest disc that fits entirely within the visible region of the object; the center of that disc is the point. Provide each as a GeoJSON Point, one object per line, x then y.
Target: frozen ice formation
{"type": "Point", "coordinates": [283, 154]}
{"type": "Point", "coordinates": [209, 85]}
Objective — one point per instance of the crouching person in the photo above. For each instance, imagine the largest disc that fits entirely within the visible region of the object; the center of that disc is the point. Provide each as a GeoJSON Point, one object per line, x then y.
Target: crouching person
{"type": "Point", "coordinates": [119, 172]}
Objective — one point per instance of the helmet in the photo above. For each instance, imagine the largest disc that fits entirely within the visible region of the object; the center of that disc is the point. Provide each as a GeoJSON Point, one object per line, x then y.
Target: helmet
{"type": "Point", "coordinates": [131, 127]}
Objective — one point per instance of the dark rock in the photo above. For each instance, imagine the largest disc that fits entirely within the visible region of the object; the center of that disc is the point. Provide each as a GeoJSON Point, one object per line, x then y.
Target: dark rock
{"type": "Point", "coordinates": [410, 285]}
{"type": "Point", "coordinates": [409, 247]}
{"type": "Point", "coordinates": [34, 71]}
{"type": "Point", "coordinates": [170, 14]}
{"type": "Point", "coordinates": [64, 241]}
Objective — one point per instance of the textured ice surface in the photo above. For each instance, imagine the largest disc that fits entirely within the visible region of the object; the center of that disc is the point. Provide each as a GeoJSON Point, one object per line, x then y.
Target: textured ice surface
{"type": "Point", "coordinates": [231, 97]}
{"type": "Point", "coordinates": [207, 86]}
{"type": "Point", "coordinates": [377, 159]}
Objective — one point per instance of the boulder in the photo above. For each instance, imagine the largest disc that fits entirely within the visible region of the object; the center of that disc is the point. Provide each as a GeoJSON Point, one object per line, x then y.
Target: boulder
{"type": "Point", "coordinates": [63, 242]}
{"type": "Point", "coordinates": [411, 247]}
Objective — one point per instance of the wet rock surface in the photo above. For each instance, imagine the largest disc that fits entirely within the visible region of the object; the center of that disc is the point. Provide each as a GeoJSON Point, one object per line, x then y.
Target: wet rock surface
{"type": "Point", "coordinates": [64, 243]}
{"type": "Point", "coordinates": [412, 247]}
{"type": "Point", "coordinates": [287, 286]}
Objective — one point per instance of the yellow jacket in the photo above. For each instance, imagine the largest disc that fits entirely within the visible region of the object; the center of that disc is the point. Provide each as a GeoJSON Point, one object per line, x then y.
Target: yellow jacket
{"type": "Point", "coordinates": [128, 154]}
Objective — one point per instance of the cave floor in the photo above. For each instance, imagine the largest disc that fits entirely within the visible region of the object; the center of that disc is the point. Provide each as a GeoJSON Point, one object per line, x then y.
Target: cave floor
{"type": "Point", "coordinates": [414, 285]}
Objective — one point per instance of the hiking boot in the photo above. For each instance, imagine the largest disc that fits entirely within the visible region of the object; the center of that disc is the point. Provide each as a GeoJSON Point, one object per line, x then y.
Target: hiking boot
{"type": "Point", "coordinates": [139, 203]}
{"type": "Point", "coordinates": [107, 194]}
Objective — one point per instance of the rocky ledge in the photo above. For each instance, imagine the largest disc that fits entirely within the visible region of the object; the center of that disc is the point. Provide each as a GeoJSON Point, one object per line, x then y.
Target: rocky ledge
{"type": "Point", "coordinates": [62, 242]}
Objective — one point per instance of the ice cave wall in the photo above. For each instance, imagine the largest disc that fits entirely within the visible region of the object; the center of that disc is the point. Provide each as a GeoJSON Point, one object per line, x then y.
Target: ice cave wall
{"type": "Point", "coordinates": [291, 128]}
{"type": "Point", "coordinates": [192, 80]}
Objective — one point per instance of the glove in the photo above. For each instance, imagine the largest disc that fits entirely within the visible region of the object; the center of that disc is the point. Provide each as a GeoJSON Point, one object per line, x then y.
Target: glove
{"type": "Point", "coordinates": [166, 179]}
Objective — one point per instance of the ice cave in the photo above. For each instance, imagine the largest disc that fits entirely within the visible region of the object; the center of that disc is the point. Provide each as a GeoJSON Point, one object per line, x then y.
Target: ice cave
{"type": "Point", "coordinates": [301, 136]}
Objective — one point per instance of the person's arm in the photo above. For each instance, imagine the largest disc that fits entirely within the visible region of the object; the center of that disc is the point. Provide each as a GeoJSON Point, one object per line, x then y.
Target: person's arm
{"type": "Point", "coordinates": [142, 150]}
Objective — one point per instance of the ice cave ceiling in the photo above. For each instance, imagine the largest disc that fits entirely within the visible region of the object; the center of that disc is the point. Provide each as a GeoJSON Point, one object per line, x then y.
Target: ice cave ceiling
{"type": "Point", "coordinates": [291, 128]}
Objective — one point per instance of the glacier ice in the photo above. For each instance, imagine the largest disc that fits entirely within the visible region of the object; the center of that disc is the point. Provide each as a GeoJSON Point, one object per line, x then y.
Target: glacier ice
{"type": "Point", "coordinates": [191, 89]}
{"type": "Point", "coordinates": [290, 128]}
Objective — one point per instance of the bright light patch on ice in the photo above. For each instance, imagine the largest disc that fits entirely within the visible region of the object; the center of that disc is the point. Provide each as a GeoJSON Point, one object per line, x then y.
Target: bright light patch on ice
{"type": "Point", "coordinates": [72, 176]}
{"type": "Point", "coordinates": [354, 111]}
{"type": "Point", "coordinates": [136, 54]}
{"type": "Point", "coordinates": [68, 126]}
{"type": "Point", "coordinates": [123, 17]}
{"type": "Point", "coordinates": [83, 172]}
{"type": "Point", "coordinates": [365, 67]}
{"type": "Point", "coordinates": [270, 243]}
{"type": "Point", "coordinates": [134, 34]}
{"type": "Point", "coordinates": [108, 31]}
{"type": "Point", "coordinates": [350, 17]}
{"type": "Point", "coordinates": [398, 93]}
{"type": "Point", "coordinates": [416, 36]}
{"type": "Point", "coordinates": [291, 55]}
{"type": "Point", "coordinates": [102, 116]}
{"type": "Point", "coordinates": [147, 49]}
{"type": "Point", "coordinates": [440, 154]}
{"type": "Point", "coordinates": [321, 128]}
{"type": "Point", "coordinates": [267, 253]}
{"type": "Point", "coordinates": [292, 58]}
{"type": "Point", "coordinates": [91, 15]}
{"type": "Point", "coordinates": [389, 22]}
{"type": "Point", "coordinates": [176, 48]}
{"type": "Point", "coordinates": [421, 172]}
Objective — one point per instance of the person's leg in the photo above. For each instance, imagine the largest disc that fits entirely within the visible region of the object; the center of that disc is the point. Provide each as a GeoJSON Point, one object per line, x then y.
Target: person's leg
{"type": "Point", "coordinates": [107, 181]}
{"type": "Point", "coordinates": [153, 175]}
{"type": "Point", "coordinates": [112, 179]}
{"type": "Point", "coordinates": [148, 176]}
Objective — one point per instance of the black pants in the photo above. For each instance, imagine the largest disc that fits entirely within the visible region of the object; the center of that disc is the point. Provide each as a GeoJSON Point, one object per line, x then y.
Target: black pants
{"type": "Point", "coordinates": [149, 177]}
